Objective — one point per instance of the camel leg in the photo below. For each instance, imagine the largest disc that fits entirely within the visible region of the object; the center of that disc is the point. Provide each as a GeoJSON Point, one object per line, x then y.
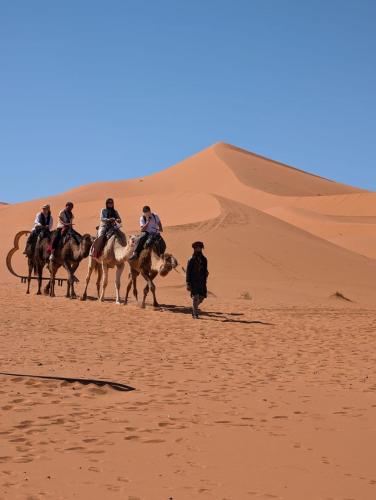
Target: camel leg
{"type": "Point", "coordinates": [150, 286]}
{"type": "Point", "coordinates": [119, 272]}
{"type": "Point", "coordinates": [147, 287]}
{"type": "Point", "coordinates": [73, 269]}
{"type": "Point", "coordinates": [53, 271]}
{"type": "Point", "coordinates": [90, 270]}
{"type": "Point", "coordinates": [99, 280]}
{"type": "Point", "coordinates": [104, 281]}
{"type": "Point", "coordinates": [40, 275]}
{"type": "Point", "coordinates": [30, 264]}
{"type": "Point", "coordinates": [146, 291]}
{"type": "Point", "coordinates": [129, 286]}
{"type": "Point", "coordinates": [70, 268]}
{"type": "Point", "coordinates": [69, 280]}
{"type": "Point", "coordinates": [134, 283]}
{"type": "Point", "coordinates": [152, 289]}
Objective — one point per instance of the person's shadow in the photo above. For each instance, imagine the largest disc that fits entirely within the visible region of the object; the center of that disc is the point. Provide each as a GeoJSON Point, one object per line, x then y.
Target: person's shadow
{"type": "Point", "coordinates": [223, 317]}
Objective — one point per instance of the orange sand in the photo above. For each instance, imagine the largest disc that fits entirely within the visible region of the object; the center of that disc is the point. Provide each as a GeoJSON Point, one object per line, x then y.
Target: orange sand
{"type": "Point", "coordinates": [270, 395]}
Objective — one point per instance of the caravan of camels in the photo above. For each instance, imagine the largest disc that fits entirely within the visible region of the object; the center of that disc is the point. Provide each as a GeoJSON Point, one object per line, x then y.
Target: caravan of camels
{"type": "Point", "coordinates": [146, 254]}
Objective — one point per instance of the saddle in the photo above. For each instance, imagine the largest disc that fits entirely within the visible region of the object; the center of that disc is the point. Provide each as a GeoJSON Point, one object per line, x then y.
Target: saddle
{"type": "Point", "coordinates": [100, 242]}
{"type": "Point", "coordinates": [157, 242]}
{"type": "Point", "coordinates": [119, 235]}
{"type": "Point", "coordinates": [35, 237]}
{"type": "Point", "coordinates": [71, 233]}
{"type": "Point", "coordinates": [43, 233]}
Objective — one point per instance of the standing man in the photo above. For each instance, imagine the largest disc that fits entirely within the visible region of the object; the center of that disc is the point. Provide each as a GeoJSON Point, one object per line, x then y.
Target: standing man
{"type": "Point", "coordinates": [150, 225]}
{"type": "Point", "coordinates": [65, 223]}
{"type": "Point", "coordinates": [197, 275]}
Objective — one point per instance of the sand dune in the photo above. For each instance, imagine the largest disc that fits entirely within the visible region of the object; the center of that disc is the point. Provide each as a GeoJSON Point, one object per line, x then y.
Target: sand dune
{"type": "Point", "coordinates": [266, 225]}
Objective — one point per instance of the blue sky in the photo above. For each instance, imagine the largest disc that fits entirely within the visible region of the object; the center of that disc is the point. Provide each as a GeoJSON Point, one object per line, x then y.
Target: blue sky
{"type": "Point", "coordinates": [93, 90]}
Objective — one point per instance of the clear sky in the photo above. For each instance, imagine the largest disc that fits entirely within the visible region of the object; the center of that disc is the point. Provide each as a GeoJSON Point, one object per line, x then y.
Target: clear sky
{"type": "Point", "coordinates": [101, 90]}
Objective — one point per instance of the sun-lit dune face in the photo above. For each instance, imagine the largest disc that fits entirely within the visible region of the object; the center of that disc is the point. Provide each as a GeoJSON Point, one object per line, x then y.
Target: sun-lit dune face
{"type": "Point", "coordinates": [267, 227]}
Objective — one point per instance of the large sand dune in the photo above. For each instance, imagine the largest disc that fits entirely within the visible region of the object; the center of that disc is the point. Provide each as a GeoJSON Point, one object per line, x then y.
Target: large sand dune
{"type": "Point", "coordinates": [268, 227]}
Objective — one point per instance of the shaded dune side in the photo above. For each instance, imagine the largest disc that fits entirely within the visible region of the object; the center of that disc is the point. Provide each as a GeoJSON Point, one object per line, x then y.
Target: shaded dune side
{"type": "Point", "coordinates": [275, 177]}
{"type": "Point", "coordinates": [352, 204]}
{"type": "Point", "coordinates": [356, 233]}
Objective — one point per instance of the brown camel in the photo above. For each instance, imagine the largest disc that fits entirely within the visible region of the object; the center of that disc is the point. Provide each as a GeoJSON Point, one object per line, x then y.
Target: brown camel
{"type": "Point", "coordinates": [149, 264]}
{"type": "Point", "coordinates": [69, 255]}
{"type": "Point", "coordinates": [37, 257]}
{"type": "Point", "coordinates": [115, 253]}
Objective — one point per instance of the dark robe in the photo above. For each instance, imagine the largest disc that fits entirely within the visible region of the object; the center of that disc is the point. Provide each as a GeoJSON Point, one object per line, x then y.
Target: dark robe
{"type": "Point", "coordinates": [197, 274]}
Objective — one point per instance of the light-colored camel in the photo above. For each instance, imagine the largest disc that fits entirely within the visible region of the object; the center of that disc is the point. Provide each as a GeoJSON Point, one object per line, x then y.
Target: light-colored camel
{"type": "Point", "coordinates": [69, 256]}
{"type": "Point", "coordinates": [149, 264]}
{"type": "Point", "coordinates": [115, 254]}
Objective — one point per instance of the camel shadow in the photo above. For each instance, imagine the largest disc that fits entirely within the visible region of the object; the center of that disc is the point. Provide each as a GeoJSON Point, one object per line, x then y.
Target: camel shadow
{"type": "Point", "coordinates": [95, 299]}
{"type": "Point", "coordinates": [213, 315]}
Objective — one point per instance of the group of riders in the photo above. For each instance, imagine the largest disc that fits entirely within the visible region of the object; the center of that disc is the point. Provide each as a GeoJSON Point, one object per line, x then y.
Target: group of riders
{"type": "Point", "coordinates": [109, 224]}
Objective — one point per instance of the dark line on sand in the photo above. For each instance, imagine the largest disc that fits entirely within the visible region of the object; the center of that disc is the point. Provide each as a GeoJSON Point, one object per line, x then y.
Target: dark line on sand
{"type": "Point", "coordinates": [117, 386]}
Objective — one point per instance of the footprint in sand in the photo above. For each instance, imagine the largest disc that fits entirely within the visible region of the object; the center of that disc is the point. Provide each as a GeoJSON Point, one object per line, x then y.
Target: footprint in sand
{"type": "Point", "coordinates": [24, 424]}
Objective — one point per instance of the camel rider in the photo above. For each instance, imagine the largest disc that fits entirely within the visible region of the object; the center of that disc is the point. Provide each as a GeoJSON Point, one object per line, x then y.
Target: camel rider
{"type": "Point", "coordinates": [197, 275]}
{"type": "Point", "coordinates": [109, 218]}
{"type": "Point", "coordinates": [43, 221]}
{"type": "Point", "coordinates": [150, 226]}
{"type": "Point", "coordinates": [64, 224]}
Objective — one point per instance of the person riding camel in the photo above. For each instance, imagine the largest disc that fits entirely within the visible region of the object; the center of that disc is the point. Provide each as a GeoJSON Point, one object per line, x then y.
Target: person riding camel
{"type": "Point", "coordinates": [109, 218]}
{"type": "Point", "coordinates": [150, 226]}
{"type": "Point", "coordinates": [43, 222]}
{"type": "Point", "coordinates": [196, 277]}
{"type": "Point", "coordinates": [110, 221]}
{"type": "Point", "coordinates": [64, 224]}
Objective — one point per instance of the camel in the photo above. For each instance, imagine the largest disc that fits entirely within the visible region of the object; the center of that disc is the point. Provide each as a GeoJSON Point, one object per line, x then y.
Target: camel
{"type": "Point", "coordinates": [115, 254]}
{"type": "Point", "coordinates": [37, 258]}
{"type": "Point", "coordinates": [69, 256]}
{"type": "Point", "coordinates": [149, 264]}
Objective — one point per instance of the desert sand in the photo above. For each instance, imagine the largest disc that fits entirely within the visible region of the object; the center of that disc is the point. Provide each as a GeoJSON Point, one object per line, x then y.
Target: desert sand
{"type": "Point", "coordinates": [271, 394]}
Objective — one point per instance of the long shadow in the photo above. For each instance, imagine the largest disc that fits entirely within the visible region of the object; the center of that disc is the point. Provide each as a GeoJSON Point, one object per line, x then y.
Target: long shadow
{"type": "Point", "coordinates": [213, 315]}
{"type": "Point", "coordinates": [117, 386]}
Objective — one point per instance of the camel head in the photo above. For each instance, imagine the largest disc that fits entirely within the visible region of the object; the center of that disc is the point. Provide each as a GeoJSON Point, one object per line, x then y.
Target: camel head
{"type": "Point", "coordinates": [130, 247]}
{"type": "Point", "coordinates": [85, 244]}
{"type": "Point", "coordinates": [169, 263]}
{"type": "Point", "coordinates": [132, 241]}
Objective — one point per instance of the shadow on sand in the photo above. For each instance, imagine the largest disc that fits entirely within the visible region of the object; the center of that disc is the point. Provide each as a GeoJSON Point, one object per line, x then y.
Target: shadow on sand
{"type": "Point", "coordinates": [223, 317]}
